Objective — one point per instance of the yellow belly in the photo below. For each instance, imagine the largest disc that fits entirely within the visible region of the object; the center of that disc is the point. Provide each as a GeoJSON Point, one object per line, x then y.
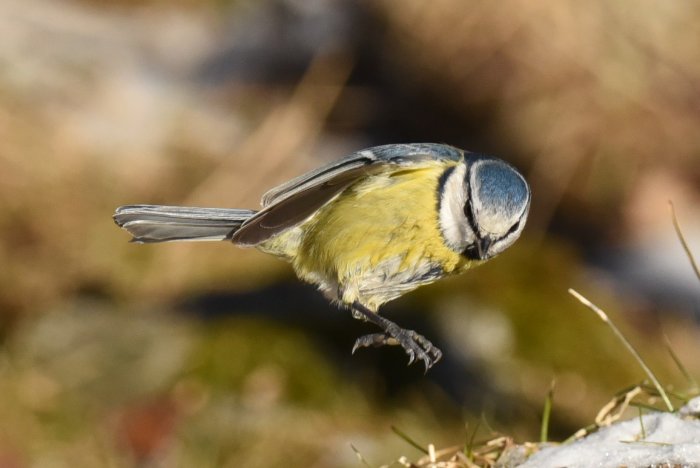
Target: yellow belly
{"type": "Point", "coordinates": [376, 241]}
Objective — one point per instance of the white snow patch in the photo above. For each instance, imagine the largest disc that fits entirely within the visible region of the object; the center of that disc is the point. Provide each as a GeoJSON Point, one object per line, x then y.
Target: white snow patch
{"type": "Point", "coordinates": [665, 439]}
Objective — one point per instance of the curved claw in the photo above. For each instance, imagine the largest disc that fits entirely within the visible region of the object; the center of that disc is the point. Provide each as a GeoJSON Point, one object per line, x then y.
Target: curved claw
{"type": "Point", "coordinates": [374, 340]}
{"type": "Point", "coordinates": [416, 346]}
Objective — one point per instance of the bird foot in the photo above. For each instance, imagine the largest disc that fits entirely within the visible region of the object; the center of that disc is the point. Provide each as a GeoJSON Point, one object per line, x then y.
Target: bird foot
{"type": "Point", "coordinates": [415, 345]}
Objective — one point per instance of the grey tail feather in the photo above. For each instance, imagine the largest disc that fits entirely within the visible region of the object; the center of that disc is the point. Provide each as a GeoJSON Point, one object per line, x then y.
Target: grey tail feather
{"type": "Point", "coordinates": [157, 223]}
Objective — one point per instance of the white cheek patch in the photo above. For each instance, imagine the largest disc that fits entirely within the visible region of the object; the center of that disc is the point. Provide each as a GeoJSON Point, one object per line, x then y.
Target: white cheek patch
{"type": "Point", "coordinates": [453, 223]}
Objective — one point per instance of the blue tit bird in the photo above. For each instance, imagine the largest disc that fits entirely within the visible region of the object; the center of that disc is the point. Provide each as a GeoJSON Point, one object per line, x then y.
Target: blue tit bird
{"type": "Point", "coordinates": [368, 228]}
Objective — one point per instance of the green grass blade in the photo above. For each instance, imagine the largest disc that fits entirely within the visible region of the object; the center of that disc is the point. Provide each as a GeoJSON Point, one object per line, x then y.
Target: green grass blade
{"type": "Point", "coordinates": [360, 457]}
{"type": "Point", "coordinates": [604, 317]}
{"type": "Point", "coordinates": [408, 439]}
{"type": "Point", "coordinates": [681, 237]}
{"type": "Point", "coordinates": [546, 413]}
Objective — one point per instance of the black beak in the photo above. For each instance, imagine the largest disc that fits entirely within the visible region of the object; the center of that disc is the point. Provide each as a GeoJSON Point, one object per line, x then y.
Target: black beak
{"type": "Point", "coordinates": [478, 250]}
{"type": "Point", "coordinates": [483, 246]}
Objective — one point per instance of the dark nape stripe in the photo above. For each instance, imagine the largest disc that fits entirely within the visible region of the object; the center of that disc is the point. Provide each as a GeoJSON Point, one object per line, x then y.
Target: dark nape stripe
{"type": "Point", "coordinates": [469, 213]}
{"type": "Point", "coordinates": [441, 186]}
{"type": "Point", "coordinates": [470, 251]}
{"type": "Point", "coordinates": [468, 208]}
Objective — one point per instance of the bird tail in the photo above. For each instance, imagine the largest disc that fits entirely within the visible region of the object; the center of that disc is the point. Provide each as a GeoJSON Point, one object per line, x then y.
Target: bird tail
{"type": "Point", "coordinates": [156, 223]}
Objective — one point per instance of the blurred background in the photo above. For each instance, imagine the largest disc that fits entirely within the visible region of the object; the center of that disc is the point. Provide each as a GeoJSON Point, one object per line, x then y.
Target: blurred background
{"type": "Point", "coordinates": [115, 354]}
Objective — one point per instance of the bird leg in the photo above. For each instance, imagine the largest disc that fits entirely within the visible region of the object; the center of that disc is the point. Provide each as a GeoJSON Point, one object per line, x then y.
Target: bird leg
{"type": "Point", "coordinates": [415, 345]}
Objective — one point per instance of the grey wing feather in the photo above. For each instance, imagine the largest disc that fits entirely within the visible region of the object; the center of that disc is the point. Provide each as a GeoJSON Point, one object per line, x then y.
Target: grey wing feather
{"type": "Point", "coordinates": [293, 202]}
{"type": "Point", "coordinates": [387, 154]}
{"type": "Point", "coordinates": [157, 223]}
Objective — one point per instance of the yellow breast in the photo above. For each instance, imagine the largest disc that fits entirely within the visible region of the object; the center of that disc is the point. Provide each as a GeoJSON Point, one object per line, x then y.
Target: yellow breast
{"type": "Point", "coordinates": [376, 238]}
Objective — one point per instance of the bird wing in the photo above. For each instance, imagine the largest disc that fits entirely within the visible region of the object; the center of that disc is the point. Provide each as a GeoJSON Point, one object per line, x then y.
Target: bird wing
{"type": "Point", "coordinates": [291, 203]}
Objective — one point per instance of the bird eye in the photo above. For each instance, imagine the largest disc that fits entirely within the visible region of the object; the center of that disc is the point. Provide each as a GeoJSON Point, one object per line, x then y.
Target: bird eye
{"type": "Point", "coordinates": [513, 229]}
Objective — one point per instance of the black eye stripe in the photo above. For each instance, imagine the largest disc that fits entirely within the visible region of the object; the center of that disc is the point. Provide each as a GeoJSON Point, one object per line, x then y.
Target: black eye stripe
{"type": "Point", "coordinates": [512, 230]}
